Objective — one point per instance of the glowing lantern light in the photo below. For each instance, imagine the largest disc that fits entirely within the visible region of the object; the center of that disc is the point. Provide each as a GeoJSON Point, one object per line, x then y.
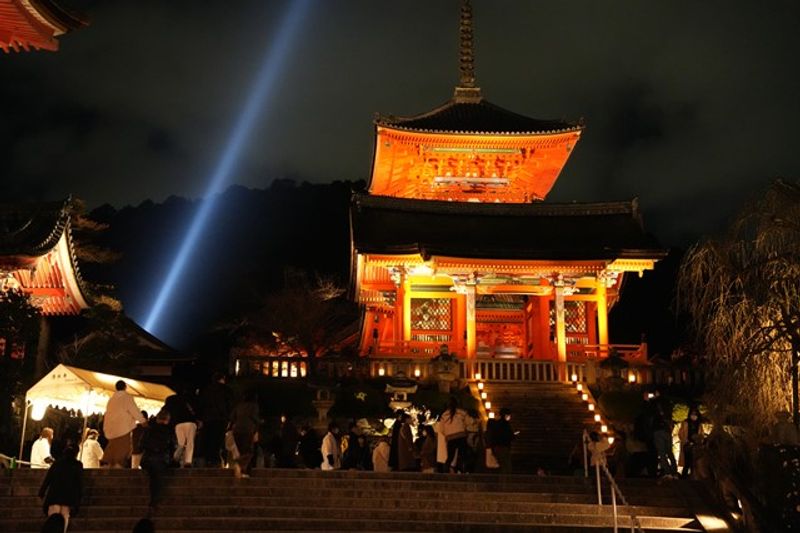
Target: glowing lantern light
{"type": "Point", "coordinates": [491, 414]}
{"type": "Point", "coordinates": [631, 378]}
{"type": "Point", "coordinates": [488, 404]}
{"type": "Point", "coordinates": [597, 417]}
{"type": "Point", "coordinates": [480, 385]}
{"type": "Point", "coordinates": [483, 395]}
{"type": "Point", "coordinates": [580, 387]}
{"type": "Point", "coordinates": [591, 407]}
{"type": "Point", "coordinates": [574, 378]}
{"type": "Point", "coordinates": [381, 371]}
{"type": "Point", "coordinates": [417, 372]}
{"type": "Point", "coordinates": [478, 376]}
{"type": "Point", "coordinates": [584, 397]}
{"type": "Point", "coordinates": [610, 440]}
{"type": "Point", "coordinates": [604, 428]}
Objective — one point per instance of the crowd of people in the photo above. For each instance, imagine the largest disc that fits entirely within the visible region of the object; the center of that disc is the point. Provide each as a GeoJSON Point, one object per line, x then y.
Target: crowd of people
{"type": "Point", "coordinates": [232, 435]}
{"type": "Point", "coordinates": [453, 443]}
{"type": "Point", "coordinates": [647, 450]}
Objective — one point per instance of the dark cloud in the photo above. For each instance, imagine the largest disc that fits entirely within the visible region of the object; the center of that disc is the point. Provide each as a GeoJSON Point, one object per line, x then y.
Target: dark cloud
{"type": "Point", "coordinates": [686, 103]}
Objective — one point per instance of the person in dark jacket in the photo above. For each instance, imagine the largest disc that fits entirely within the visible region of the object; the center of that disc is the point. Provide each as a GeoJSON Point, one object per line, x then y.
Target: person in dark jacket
{"type": "Point", "coordinates": [183, 418]}
{"type": "Point", "coordinates": [136, 442]}
{"type": "Point", "coordinates": [62, 487]}
{"type": "Point", "coordinates": [406, 456]}
{"type": "Point", "coordinates": [394, 443]}
{"type": "Point", "coordinates": [353, 451]}
{"type": "Point", "coordinates": [308, 448]}
{"type": "Point", "coordinates": [216, 404]}
{"type": "Point", "coordinates": [245, 421]}
{"type": "Point", "coordinates": [287, 438]}
{"type": "Point", "coordinates": [500, 435]}
{"type": "Point", "coordinates": [157, 443]}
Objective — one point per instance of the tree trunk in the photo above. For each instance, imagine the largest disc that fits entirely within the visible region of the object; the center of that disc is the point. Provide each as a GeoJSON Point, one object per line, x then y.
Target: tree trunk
{"type": "Point", "coordinates": [42, 347]}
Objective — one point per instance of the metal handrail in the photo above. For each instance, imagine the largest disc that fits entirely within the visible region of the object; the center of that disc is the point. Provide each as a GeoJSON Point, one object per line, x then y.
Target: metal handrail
{"type": "Point", "coordinates": [636, 526]}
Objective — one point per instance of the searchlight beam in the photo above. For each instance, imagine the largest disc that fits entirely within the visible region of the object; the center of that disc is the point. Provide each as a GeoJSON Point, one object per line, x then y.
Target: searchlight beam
{"type": "Point", "coordinates": [262, 88]}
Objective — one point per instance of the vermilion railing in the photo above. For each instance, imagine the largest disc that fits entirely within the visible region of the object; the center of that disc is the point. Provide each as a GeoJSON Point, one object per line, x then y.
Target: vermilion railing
{"type": "Point", "coordinates": [578, 353]}
{"type": "Point", "coordinates": [632, 353]}
{"type": "Point", "coordinates": [584, 368]}
{"type": "Point", "coordinates": [412, 349]}
{"type": "Point", "coordinates": [520, 370]}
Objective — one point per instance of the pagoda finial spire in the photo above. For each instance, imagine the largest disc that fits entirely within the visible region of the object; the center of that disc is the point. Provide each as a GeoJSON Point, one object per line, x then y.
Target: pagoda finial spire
{"type": "Point", "coordinates": [466, 91]}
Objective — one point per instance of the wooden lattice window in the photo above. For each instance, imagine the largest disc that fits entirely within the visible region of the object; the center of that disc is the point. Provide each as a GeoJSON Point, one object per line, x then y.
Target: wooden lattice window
{"type": "Point", "coordinates": [574, 317]}
{"type": "Point", "coordinates": [431, 314]}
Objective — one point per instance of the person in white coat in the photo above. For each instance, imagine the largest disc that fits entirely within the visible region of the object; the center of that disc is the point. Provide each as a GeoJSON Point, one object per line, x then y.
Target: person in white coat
{"type": "Point", "coordinates": [331, 455]}
{"type": "Point", "coordinates": [380, 456]}
{"type": "Point", "coordinates": [40, 452]}
{"type": "Point", "coordinates": [121, 417]}
{"type": "Point", "coordinates": [91, 451]}
{"type": "Point", "coordinates": [441, 447]}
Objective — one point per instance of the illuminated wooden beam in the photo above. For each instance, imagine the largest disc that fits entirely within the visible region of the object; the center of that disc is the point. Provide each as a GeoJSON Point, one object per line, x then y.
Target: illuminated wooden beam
{"type": "Point", "coordinates": [602, 311]}
{"type": "Point", "coordinates": [561, 334]}
{"type": "Point", "coordinates": [631, 265]}
{"type": "Point", "coordinates": [406, 293]}
{"type": "Point", "coordinates": [472, 347]}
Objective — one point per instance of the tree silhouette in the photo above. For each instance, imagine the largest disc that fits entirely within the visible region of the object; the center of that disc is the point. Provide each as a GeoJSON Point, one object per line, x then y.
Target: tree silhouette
{"type": "Point", "coordinates": [307, 316]}
{"type": "Point", "coordinates": [742, 292]}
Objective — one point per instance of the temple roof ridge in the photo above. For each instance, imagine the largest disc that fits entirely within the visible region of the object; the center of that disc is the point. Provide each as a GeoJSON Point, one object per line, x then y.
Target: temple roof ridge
{"type": "Point", "coordinates": [543, 209]}
{"type": "Point", "coordinates": [476, 117]}
{"type": "Point", "coordinates": [538, 231]}
{"type": "Point", "coordinates": [32, 229]}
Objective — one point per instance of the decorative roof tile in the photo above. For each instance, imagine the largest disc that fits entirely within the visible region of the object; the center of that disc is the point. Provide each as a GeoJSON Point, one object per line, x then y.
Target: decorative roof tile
{"type": "Point", "coordinates": [543, 230]}
{"type": "Point", "coordinates": [477, 116]}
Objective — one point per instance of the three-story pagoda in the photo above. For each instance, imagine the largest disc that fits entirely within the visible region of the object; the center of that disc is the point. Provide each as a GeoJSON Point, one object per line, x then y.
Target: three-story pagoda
{"type": "Point", "coordinates": [454, 244]}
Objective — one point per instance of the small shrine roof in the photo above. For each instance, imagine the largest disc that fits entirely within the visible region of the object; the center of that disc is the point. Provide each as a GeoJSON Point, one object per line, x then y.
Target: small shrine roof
{"type": "Point", "coordinates": [538, 231]}
{"type": "Point", "coordinates": [476, 116]}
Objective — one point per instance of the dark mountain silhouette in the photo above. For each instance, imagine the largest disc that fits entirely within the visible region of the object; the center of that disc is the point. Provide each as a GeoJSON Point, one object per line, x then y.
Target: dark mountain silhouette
{"type": "Point", "coordinates": [255, 234]}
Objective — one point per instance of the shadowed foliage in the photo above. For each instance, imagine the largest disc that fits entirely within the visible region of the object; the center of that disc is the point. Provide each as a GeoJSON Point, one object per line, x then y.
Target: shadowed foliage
{"type": "Point", "coordinates": [742, 292]}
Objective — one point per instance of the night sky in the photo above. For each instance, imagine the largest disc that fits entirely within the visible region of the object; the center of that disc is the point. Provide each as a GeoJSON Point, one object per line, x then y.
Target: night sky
{"type": "Point", "coordinates": [689, 105]}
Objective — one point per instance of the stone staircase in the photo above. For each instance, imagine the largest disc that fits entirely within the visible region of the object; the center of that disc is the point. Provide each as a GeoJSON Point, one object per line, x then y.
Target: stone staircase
{"type": "Point", "coordinates": [283, 500]}
{"type": "Point", "coordinates": [550, 418]}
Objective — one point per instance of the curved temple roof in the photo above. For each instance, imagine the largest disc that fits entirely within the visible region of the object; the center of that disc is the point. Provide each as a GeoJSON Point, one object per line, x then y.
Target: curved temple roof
{"type": "Point", "coordinates": [31, 230]}
{"type": "Point", "coordinates": [37, 255]}
{"type": "Point", "coordinates": [610, 230]}
{"type": "Point", "coordinates": [26, 24]}
{"type": "Point", "coordinates": [476, 117]}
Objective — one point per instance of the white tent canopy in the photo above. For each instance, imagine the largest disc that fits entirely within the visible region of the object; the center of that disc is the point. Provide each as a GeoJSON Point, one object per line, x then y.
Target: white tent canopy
{"type": "Point", "coordinates": [88, 391]}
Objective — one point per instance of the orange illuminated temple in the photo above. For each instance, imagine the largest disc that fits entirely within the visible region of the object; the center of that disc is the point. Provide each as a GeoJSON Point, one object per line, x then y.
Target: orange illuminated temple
{"type": "Point", "coordinates": [454, 246]}
{"type": "Point", "coordinates": [34, 24]}
{"type": "Point", "coordinates": [37, 257]}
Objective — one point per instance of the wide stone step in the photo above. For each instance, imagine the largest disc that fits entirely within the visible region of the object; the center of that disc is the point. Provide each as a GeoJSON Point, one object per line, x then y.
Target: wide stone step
{"type": "Point", "coordinates": [282, 500]}
{"type": "Point", "coordinates": [355, 520]}
{"type": "Point", "coordinates": [267, 497]}
{"type": "Point", "coordinates": [249, 490]}
{"type": "Point", "coordinates": [341, 479]}
{"type": "Point", "coordinates": [177, 507]}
